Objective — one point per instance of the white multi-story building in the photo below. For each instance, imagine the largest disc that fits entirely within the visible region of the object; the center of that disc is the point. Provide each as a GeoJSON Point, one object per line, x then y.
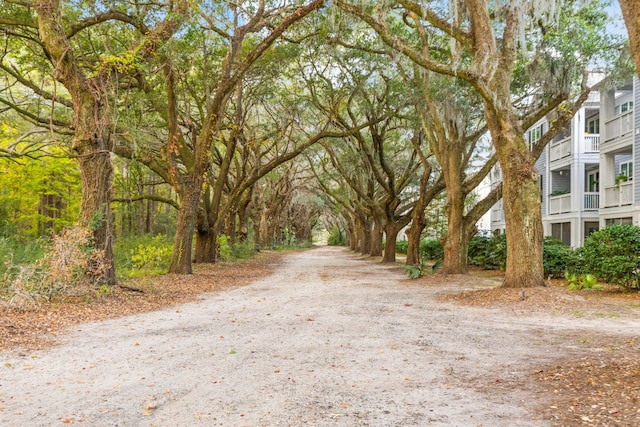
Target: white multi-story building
{"type": "Point", "coordinates": [587, 172]}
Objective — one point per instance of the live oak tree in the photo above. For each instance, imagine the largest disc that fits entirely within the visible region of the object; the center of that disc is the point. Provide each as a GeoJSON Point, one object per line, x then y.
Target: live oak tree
{"type": "Point", "coordinates": [487, 49]}
{"type": "Point", "coordinates": [89, 75]}
{"type": "Point", "coordinates": [453, 128]}
{"type": "Point", "coordinates": [249, 34]}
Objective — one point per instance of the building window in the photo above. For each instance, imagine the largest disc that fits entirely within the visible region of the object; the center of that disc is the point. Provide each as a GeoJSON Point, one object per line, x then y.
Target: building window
{"type": "Point", "coordinates": [590, 227]}
{"type": "Point", "coordinates": [593, 126]}
{"type": "Point", "coordinates": [623, 108]}
{"type": "Point", "coordinates": [562, 232]}
{"type": "Point", "coordinates": [626, 220]}
{"type": "Point", "coordinates": [626, 169]}
{"type": "Point", "coordinates": [534, 135]}
{"type": "Point", "coordinates": [593, 182]}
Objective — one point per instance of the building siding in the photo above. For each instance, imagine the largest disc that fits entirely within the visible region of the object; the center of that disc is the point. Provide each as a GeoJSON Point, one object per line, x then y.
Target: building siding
{"type": "Point", "coordinates": [636, 140]}
{"type": "Point", "coordinates": [541, 168]}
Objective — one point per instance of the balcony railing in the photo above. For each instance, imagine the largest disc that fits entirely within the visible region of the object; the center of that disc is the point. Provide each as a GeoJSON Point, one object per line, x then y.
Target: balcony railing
{"type": "Point", "coordinates": [591, 143]}
{"type": "Point", "coordinates": [618, 195]}
{"type": "Point", "coordinates": [591, 201]}
{"type": "Point", "coordinates": [619, 126]}
{"type": "Point", "coordinates": [559, 204]}
{"type": "Point", "coordinates": [560, 149]}
{"type": "Point", "coordinates": [497, 215]}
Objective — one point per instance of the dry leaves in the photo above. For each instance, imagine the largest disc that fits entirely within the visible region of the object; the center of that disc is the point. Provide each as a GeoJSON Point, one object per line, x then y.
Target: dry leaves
{"type": "Point", "coordinates": [599, 385]}
{"type": "Point", "coordinates": [37, 328]}
{"type": "Point", "coordinates": [599, 390]}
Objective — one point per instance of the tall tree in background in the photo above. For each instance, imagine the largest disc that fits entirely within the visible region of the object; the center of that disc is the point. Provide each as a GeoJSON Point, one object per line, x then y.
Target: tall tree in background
{"type": "Point", "coordinates": [454, 130]}
{"type": "Point", "coordinates": [189, 163]}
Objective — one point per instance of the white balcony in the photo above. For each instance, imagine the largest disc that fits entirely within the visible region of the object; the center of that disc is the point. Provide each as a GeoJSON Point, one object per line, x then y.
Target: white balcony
{"type": "Point", "coordinates": [618, 195]}
{"type": "Point", "coordinates": [559, 204]}
{"type": "Point", "coordinates": [591, 201]}
{"type": "Point", "coordinates": [560, 149]}
{"type": "Point", "coordinates": [619, 126]}
{"type": "Point", "coordinates": [591, 143]}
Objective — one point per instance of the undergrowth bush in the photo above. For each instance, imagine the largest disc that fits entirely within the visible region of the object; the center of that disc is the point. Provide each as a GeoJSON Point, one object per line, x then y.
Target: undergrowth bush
{"type": "Point", "coordinates": [613, 255]}
{"type": "Point", "coordinates": [18, 250]}
{"type": "Point", "coordinates": [243, 250]}
{"type": "Point", "coordinates": [477, 251]}
{"type": "Point", "coordinates": [402, 246]}
{"type": "Point", "coordinates": [489, 253]}
{"type": "Point", "coordinates": [337, 237]}
{"type": "Point", "coordinates": [62, 268]}
{"type": "Point", "coordinates": [556, 257]}
{"type": "Point", "coordinates": [414, 271]}
{"type": "Point", "coordinates": [224, 248]}
{"type": "Point", "coordinates": [583, 281]}
{"type": "Point", "coordinates": [139, 256]}
{"type": "Point", "coordinates": [431, 249]}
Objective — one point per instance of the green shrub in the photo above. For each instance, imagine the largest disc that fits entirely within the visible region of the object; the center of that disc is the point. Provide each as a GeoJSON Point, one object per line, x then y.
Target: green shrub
{"type": "Point", "coordinates": [401, 246]}
{"type": "Point", "coordinates": [496, 252]}
{"type": "Point", "coordinates": [243, 250]}
{"type": "Point", "coordinates": [477, 252]}
{"type": "Point", "coordinates": [414, 271]}
{"type": "Point", "coordinates": [224, 249]}
{"type": "Point", "coordinates": [16, 250]}
{"type": "Point", "coordinates": [556, 257]}
{"type": "Point", "coordinates": [613, 255]}
{"type": "Point", "coordinates": [489, 253]}
{"type": "Point", "coordinates": [337, 237]}
{"type": "Point", "coordinates": [431, 249]}
{"type": "Point", "coordinates": [583, 281]}
{"type": "Point", "coordinates": [146, 255]}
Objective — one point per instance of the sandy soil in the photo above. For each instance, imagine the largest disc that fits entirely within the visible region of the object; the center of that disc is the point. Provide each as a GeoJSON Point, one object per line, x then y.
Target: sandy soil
{"type": "Point", "coordinates": [328, 340]}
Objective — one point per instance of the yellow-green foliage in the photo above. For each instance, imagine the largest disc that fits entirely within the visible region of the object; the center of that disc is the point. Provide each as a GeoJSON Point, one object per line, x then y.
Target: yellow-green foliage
{"type": "Point", "coordinates": [24, 188]}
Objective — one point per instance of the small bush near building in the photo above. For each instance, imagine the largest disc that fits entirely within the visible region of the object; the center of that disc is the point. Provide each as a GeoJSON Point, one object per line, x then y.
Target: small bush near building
{"type": "Point", "coordinates": [431, 249]}
{"type": "Point", "coordinates": [402, 246]}
{"type": "Point", "coordinates": [477, 250]}
{"type": "Point", "coordinates": [556, 257]}
{"type": "Point", "coordinates": [489, 253]}
{"type": "Point", "coordinates": [613, 255]}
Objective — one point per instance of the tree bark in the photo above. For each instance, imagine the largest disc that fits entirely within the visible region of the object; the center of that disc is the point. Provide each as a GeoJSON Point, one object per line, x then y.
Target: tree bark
{"type": "Point", "coordinates": [631, 14]}
{"type": "Point", "coordinates": [376, 239]}
{"type": "Point", "coordinates": [391, 234]}
{"type": "Point", "coordinates": [363, 234]}
{"type": "Point", "coordinates": [96, 171]}
{"type": "Point", "coordinates": [413, 239]}
{"type": "Point", "coordinates": [183, 240]}
{"type": "Point", "coordinates": [455, 244]}
{"type": "Point", "coordinates": [352, 235]}
{"type": "Point", "coordinates": [521, 202]}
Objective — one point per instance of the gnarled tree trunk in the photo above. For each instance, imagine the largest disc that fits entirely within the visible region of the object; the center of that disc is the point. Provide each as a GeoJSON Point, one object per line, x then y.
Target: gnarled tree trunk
{"type": "Point", "coordinates": [631, 14]}
{"type": "Point", "coordinates": [376, 239]}
{"type": "Point", "coordinates": [391, 230]}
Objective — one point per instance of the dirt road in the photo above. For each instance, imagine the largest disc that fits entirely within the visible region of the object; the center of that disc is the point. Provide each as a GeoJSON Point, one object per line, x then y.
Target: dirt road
{"type": "Point", "coordinates": [329, 340]}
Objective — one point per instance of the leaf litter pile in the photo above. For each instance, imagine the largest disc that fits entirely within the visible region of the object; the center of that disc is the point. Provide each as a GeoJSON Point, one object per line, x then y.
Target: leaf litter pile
{"type": "Point", "coordinates": [599, 383]}
{"type": "Point", "coordinates": [36, 327]}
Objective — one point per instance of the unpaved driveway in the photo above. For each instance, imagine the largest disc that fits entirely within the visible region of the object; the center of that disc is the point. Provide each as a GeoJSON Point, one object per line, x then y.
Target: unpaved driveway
{"type": "Point", "coordinates": [329, 340]}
